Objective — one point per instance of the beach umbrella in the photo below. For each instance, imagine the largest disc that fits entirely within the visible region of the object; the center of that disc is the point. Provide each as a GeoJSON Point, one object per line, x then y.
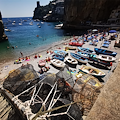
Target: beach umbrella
{"type": "Point", "coordinates": [94, 30]}
{"type": "Point", "coordinates": [112, 31]}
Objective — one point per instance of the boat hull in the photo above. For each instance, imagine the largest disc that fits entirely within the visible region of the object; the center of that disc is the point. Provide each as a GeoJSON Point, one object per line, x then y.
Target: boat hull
{"type": "Point", "coordinates": [105, 52]}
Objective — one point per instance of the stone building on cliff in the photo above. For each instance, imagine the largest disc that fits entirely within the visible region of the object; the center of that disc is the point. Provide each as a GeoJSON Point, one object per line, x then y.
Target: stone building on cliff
{"type": "Point", "coordinates": [115, 16]}
{"type": "Point", "coordinates": [3, 37]}
{"type": "Point", "coordinates": [54, 11]}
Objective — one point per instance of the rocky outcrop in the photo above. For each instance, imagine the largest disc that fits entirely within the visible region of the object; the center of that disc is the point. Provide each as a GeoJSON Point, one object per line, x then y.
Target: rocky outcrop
{"type": "Point", "coordinates": [78, 12]}
{"type": "Point", "coordinates": [54, 11]}
{"type": "Point", "coordinates": [3, 37]}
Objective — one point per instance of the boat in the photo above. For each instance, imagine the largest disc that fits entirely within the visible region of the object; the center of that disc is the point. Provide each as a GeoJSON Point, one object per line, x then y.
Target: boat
{"type": "Point", "coordinates": [59, 57]}
{"type": "Point", "coordinates": [20, 23]}
{"type": "Point", "coordinates": [7, 30]}
{"type": "Point", "coordinates": [59, 26]}
{"type": "Point", "coordinates": [83, 54]}
{"type": "Point", "coordinates": [94, 42]}
{"type": "Point", "coordinates": [89, 79]}
{"type": "Point", "coordinates": [58, 63]}
{"type": "Point", "coordinates": [106, 58]}
{"type": "Point", "coordinates": [93, 71]}
{"type": "Point", "coordinates": [71, 60]}
{"type": "Point", "coordinates": [105, 52]}
{"type": "Point", "coordinates": [71, 47]}
{"type": "Point", "coordinates": [87, 50]}
{"type": "Point", "coordinates": [31, 23]}
{"type": "Point", "coordinates": [13, 23]}
{"type": "Point", "coordinates": [42, 63]}
{"type": "Point", "coordinates": [62, 52]}
{"type": "Point", "coordinates": [39, 26]}
{"type": "Point", "coordinates": [106, 45]}
{"type": "Point", "coordinates": [99, 61]}
{"type": "Point", "coordinates": [75, 43]}
{"type": "Point", "coordinates": [79, 58]}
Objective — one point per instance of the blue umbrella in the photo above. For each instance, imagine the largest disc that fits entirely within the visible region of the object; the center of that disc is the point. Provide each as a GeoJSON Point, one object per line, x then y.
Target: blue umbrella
{"type": "Point", "coordinates": [112, 31]}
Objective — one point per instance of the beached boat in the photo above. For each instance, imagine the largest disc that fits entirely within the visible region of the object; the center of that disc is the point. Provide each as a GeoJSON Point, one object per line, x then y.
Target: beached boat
{"type": "Point", "coordinates": [91, 80]}
{"type": "Point", "coordinates": [57, 63]}
{"type": "Point", "coordinates": [92, 71]}
{"type": "Point", "coordinates": [106, 45]}
{"type": "Point", "coordinates": [106, 58]}
{"type": "Point", "coordinates": [62, 53]}
{"type": "Point", "coordinates": [71, 47]}
{"type": "Point", "coordinates": [42, 63]}
{"type": "Point", "coordinates": [71, 60]}
{"type": "Point", "coordinates": [94, 42]}
{"type": "Point", "coordinates": [79, 58]}
{"type": "Point", "coordinates": [75, 43]}
{"type": "Point", "coordinates": [83, 54]}
{"type": "Point", "coordinates": [100, 61]}
{"type": "Point", "coordinates": [105, 52]}
{"type": "Point", "coordinates": [59, 57]}
{"type": "Point", "coordinates": [87, 50]}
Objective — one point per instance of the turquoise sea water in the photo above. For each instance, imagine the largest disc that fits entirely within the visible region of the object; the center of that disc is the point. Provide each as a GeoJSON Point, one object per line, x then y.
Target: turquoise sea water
{"type": "Point", "coordinates": [22, 35]}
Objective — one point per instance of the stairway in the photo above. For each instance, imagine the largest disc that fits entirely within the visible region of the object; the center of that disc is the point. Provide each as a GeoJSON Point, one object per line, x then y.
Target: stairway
{"type": "Point", "coordinates": [6, 110]}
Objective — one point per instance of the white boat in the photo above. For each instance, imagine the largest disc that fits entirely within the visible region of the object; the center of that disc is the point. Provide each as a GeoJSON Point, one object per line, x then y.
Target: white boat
{"type": "Point", "coordinates": [20, 23]}
{"type": "Point", "coordinates": [93, 71]}
{"type": "Point", "coordinates": [13, 23]}
{"type": "Point", "coordinates": [106, 58]}
{"type": "Point", "coordinates": [31, 23]}
{"type": "Point", "coordinates": [39, 26]}
{"type": "Point", "coordinates": [57, 63]}
{"type": "Point", "coordinates": [42, 22]}
{"type": "Point", "coordinates": [71, 60]}
{"type": "Point", "coordinates": [7, 30]}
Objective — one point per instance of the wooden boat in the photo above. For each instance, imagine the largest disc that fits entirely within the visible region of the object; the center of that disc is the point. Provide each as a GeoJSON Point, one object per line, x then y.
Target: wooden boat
{"type": "Point", "coordinates": [58, 63]}
{"type": "Point", "coordinates": [100, 61]}
{"type": "Point", "coordinates": [89, 79]}
{"type": "Point", "coordinates": [71, 47]}
{"type": "Point", "coordinates": [87, 50]}
{"type": "Point", "coordinates": [75, 43]}
{"type": "Point", "coordinates": [106, 58]}
{"type": "Point", "coordinates": [79, 58]}
{"type": "Point", "coordinates": [105, 52]}
{"type": "Point", "coordinates": [71, 60]}
{"type": "Point", "coordinates": [83, 54]}
{"type": "Point", "coordinates": [92, 71]}
{"type": "Point", "coordinates": [42, 63]}
{"type": "Point", "coordinates": [59, 57]}
{"type": "Point", "coordinates": [62, 53]}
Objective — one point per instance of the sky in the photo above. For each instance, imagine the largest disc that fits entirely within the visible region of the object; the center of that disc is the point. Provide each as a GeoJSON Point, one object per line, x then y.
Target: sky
{"type": "Point", "coordinates": [19, 8]}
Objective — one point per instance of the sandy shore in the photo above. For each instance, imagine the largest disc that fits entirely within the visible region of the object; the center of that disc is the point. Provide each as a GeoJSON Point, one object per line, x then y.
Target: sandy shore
{"type": "Point", "coordinates": [6, 67]}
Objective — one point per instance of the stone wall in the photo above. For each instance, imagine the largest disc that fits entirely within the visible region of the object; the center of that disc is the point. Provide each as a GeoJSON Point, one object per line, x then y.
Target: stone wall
{"type": "Point", "coordinates": [107, 105]}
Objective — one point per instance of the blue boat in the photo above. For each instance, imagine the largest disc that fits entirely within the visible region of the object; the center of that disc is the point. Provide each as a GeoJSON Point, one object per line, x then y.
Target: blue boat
{"type": "Point", "coordinates": [99, 61]}
{"type": "Point", "coordinates": [62, 53]}
{"type": "Point", "coordinates": [59, 57]}
{"type": "Point", "coordinates": [105, 52]}
{"type": "Point", "coordinates": [83, 54]}
{"type": "Point", "coordinates": [87, 50]}
{"type": "Point", "coordinates": [79, 58]}
{"type": "Point", "coordinates": [106, 45]}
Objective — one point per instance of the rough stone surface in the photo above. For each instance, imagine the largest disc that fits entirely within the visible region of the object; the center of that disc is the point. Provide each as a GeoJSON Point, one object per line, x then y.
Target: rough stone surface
{"type": "Point", "coordinates": [107, 106]}
{"type": "Point", "coordinates": [3, 37]}
{"type": "Point", "coordinates": [80, 11]}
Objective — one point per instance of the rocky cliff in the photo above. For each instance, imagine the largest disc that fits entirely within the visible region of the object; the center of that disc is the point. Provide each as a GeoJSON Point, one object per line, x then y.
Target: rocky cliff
{"type": "Point", "coordinates": [78, 12]}
{"type": "Point", "coordinates": [3, 37]}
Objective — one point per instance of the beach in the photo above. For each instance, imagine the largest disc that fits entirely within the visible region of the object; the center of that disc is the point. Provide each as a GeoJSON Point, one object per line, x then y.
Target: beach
{"type": "Point", "coordinates": [9, 66]}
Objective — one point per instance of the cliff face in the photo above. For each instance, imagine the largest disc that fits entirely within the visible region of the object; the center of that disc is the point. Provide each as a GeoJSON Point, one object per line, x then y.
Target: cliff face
{"type": "Point", "coordinates": [79, 11]}
{"type": "Point", "coordinates": [3, 37]}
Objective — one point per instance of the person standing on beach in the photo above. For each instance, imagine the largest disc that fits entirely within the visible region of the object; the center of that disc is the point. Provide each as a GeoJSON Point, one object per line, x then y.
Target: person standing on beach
{"type": "Point", "coordinates": [21, 54]}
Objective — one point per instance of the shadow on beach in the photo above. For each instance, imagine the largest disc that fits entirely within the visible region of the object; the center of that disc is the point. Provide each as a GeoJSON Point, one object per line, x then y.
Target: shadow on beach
{"type": "Point", "coordinates": [99, 66]}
